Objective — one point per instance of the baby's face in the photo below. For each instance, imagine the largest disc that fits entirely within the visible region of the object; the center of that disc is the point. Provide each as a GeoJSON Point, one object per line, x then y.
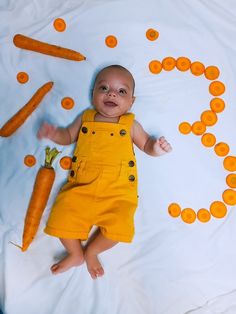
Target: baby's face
{"type": "Point", "coordinates": [113, 92]}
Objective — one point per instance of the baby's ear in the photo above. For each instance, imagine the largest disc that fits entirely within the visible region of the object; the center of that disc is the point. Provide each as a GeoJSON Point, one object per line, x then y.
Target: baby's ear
{"type": "Point", "coordinates": [133, 99]}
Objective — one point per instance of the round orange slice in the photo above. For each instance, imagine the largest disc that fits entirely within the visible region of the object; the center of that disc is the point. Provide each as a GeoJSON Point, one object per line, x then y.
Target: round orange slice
{"type": "Point", "coordinates": [208, 139]}
{"type": "Point", "coordinates": [198, 128]}
{"type": "Point", "coordinates": [217, 88]}
{"type": "Point", "coordinates": [217, 105]}
{"type": "Point", "coordinates": [155, 66]}
{"type": "Point", "coordinates": [197, 68]}
{"type": "Point", "coordinates": [29, 160]}
{"type": "Point", "coordinates": [59, 25]}
{"type": "Point", "coordinates": [230, 163]}
{"type": "Point", "coordinates": [67, 103]}
{"type": "Point", "coordinates": [221, 149]}
{"type": "Point", "coordinates": [188, 215]}
{"type": "Point", "coordinates": [183, 64]}
{"type": "Point", "coordinates": [218, 209]}
{"type": "Point", "coordinates": [209, 117]}
{"type": "Point", "coordinates": [66, 162]}
{"type": "Point", "coordinates": [22, 77]}
{"type": "Point", "coordinates": [111, 41]}
{"type": "Point", "coordinates": [152, 34]}
{"type": "Point", "coordinates": [185, 128]}
{"type": "Point", "coordinates": [231, 180]}
{"type": "Point", "coordinates": [203, 215]}
{"type": "Point", "coordinates": [229, 197]}
{"type": "Point", "coordinates": [212, 72]}
{"type": "Point", "coordinates": [168, 63]}
{"type": "Point", "coordinates": [174, 210]}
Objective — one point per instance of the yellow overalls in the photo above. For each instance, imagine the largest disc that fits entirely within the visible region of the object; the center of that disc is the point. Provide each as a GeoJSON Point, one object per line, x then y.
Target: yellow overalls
{"type": "Point", "coordinates": [102, 185]}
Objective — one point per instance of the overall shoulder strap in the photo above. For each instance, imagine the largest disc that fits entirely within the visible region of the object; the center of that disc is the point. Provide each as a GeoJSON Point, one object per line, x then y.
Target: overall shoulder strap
{"type": "Point", "coordinates": [88, 115]}
{"type": "Point", "coordinates": [127, 119]}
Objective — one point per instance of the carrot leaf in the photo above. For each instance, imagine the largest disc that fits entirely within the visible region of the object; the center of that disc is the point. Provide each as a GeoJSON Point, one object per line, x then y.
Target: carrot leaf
{"type": "Point", "coordinates": [50, 155]}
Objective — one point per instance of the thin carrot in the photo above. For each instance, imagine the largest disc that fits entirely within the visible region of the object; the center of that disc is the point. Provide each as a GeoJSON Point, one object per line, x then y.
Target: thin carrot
{"type": "Point", "coordinates": [28, 43]}
{"type": "Point", "coordinates": [42, 187]}
{"type": "Point", "coordinates": [20, 116]}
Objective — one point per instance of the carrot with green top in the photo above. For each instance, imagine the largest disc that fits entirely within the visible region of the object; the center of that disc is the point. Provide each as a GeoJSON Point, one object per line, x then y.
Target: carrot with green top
{"type": "Point", "coordinates": [28, 43]}
{"type": "Point", "coordinates": [20, 116]}
{"type": "Point", "coordinates": [42, 187]}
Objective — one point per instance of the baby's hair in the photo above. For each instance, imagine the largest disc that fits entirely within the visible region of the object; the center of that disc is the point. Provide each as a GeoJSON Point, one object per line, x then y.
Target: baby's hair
{"type": "Point", "coordinates": [116, 66]}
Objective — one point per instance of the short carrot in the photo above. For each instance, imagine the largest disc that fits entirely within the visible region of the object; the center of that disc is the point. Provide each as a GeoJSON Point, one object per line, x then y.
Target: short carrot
{"type": "Point", "coordinates": [28, 43]}
{"type": "Point", "coordinates": [42, 187]}
{"type": "Point", "coordinates": [20, 116]}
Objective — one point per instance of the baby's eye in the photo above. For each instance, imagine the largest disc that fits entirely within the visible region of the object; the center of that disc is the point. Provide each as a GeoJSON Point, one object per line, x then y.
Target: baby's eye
{"type": "Point", "coordinates": [122, 91]}
{"type": "Point", "coordinates": [103, 88]}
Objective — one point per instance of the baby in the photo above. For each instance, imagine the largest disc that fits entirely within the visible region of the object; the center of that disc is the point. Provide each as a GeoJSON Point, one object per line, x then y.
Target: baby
{"type": "Point", "coordinates": [102, 186]}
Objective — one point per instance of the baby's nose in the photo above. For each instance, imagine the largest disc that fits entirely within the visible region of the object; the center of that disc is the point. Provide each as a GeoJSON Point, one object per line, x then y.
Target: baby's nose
{"type": "Point", "coordinates": [112, 93]}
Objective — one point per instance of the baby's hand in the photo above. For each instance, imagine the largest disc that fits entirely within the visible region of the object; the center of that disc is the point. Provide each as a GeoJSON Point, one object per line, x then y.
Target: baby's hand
{"type": "Point", "coordinates": [46, 130]}
{"type": "Point", "coordinates": [161, 146]}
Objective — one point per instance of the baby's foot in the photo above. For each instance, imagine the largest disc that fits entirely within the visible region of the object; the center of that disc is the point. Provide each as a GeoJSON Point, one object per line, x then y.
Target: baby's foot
{"type": "Point", "coordinates": [94, 266]}
{"type": "Point", "coordinates": [66, 263]}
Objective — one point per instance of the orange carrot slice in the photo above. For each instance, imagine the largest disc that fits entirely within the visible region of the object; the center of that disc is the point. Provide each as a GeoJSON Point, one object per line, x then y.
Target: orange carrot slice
{"type": "Point", "coordinates": [209, 117]}
{"type": "Point", "coordinates": [111, 41]}
{"type": "Point", "coordinates": [221, 149]}
{"type": "Point", "coordinates": [188, 215]}
{"type": "Point", "coordinates": [185, 128]}
{"type": "Point", "coordinates": [230, 163]}
{"type": "Point", "coordinates": [168, 63]}
{"type": "Point", "coordinates": [59, 25]}
{"type": "Point", "coordinates": [198, 128]}
{"type": "Point", "coordinates": [28, 43]}
{"type": "Point", "coordinates": [152, 34]}
{"type": "Point", "coordinates": [217, 105]}
{"type": "Point", "coordinates": [217, 88]}
{"type": "Point", "coordinates": [231, 180]}
{"type": "Point", "coordinates": [197, 68]}
{"type": "Point", "coordinates": [174, 210]}
{"type": "Point", "coordinates": [67, 103]}
{"type": "Point", "coordinates": [183, 64]}
{"type": "Point", "coordinates": [218, 209]}
{"type": "Point", "coordinates": [65, 162]}
{"type": "Point", "coordinates": [203, 215]}
{"type": "Point", "coordinates": [229, 197]}
{"type": "Point", "coordinates": [29, 160]}
{"type": "Point", "coordinates": [155, 66]}
{"type": "Point", "coordinates": [208, 139]}
{"type": "Point", "coordinates": [22, 77]}
{"type": "Point", "coordinates": [212, 72]}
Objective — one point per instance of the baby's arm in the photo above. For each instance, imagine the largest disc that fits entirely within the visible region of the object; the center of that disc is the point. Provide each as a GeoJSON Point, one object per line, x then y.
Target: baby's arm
{"type": "Point", "coordinates": [149, 144]}
{"type": "Point", "coordinates": [62, 136]}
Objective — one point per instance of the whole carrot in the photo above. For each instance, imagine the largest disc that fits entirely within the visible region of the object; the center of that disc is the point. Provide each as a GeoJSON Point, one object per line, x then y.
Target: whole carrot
{"type": "Point", "coordinates": [42, 187]}
{"type": "Point", "coordinates": [28, 43]}
{"type": "Point", "coordinates": [19, 118]}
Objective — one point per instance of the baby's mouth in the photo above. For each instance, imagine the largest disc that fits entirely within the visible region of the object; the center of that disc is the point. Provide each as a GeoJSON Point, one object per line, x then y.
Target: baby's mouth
{"type": "Point", "coordinates": [110, 104]}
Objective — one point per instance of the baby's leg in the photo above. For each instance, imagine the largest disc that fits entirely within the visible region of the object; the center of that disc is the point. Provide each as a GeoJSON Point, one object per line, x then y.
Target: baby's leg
{"type": "Point", "coordinates": [98, 245]}
{"type": "Point", "coordinates": [75, 256]}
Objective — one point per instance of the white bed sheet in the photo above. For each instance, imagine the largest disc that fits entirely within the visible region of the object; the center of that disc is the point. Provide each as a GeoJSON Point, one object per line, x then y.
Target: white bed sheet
{"type": "Point", "coordinates": [171, 267]}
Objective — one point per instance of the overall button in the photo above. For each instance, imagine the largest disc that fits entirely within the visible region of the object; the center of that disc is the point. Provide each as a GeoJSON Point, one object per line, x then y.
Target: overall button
{"type": "Point", "coordinates": [122, 132]}
{"type": "Point", "coordinates": [72, 173]}
{"type": "Point", "coordinates": [84, 129]}
{"type": "Point", "coordinates": [74, 158]}
{"type": "Point", "coordinates": [131, 178]}
{"type": "Point", "coordinates": [131, 163]}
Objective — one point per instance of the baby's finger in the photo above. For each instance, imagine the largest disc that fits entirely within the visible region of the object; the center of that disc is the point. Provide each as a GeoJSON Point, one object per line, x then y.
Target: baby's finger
{"type": "Point", "coordinates": [162, 139]}
{"type": "Point", "coordinates": [168, 148]}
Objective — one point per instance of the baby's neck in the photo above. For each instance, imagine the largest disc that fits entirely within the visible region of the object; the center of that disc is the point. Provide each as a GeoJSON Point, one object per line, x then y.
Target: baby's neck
{"type": "Point", "coordinates": [100, 118]}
